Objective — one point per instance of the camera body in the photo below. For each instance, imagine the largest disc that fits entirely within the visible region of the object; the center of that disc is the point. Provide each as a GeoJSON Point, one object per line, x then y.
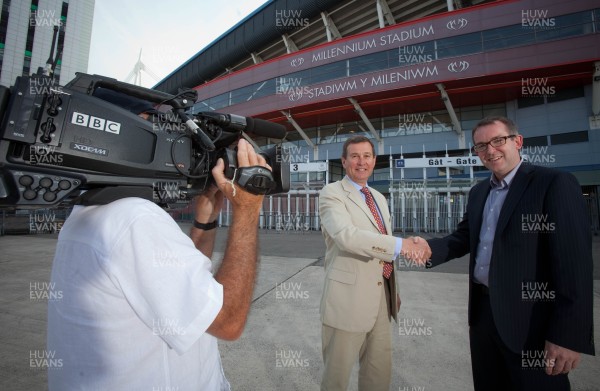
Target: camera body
{"type": "Point", "coordinates": [57, 142]}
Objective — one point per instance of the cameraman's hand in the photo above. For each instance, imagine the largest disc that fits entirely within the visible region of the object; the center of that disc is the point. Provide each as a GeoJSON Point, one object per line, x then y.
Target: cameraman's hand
{"type": "Point", "coordinates": [208, 205]}
{"type": "Point", "coordinates": [239, 197]}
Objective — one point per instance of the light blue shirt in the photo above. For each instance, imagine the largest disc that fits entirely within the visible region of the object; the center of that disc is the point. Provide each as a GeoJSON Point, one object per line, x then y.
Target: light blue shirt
{"type": "Point", "coordinates": [491, 213]}
{"type": "Point", "coordinates": [398, 240]}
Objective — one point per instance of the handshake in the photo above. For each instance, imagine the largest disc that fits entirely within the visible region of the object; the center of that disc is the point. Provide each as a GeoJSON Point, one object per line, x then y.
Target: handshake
{"type": "Point", "coordinates": [416, 249]}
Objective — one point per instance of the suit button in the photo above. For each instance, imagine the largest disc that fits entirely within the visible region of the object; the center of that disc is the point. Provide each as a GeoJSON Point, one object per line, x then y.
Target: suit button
{"type": "Point", "coordinates": [379, 283]}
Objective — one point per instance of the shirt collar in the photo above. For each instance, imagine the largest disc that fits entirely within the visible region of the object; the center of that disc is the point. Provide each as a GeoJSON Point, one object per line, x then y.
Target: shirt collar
{"type": "Point", "coordinates": [505, 183]}
{"type": "Point", "coordinates": [356, 185]}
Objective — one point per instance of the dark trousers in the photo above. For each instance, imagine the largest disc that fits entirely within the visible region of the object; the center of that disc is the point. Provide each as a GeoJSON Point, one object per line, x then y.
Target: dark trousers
{"type": "Point", "coordinates": [495, 367]}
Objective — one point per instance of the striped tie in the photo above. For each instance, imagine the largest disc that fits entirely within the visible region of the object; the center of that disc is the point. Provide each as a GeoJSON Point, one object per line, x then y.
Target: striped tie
{"type": "Point", "coordinates": [387, 266]}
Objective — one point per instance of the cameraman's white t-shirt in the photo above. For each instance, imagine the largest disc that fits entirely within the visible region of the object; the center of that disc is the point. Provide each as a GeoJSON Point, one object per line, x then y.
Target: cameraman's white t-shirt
{"type": "Point", "coordinates": [134, 298]}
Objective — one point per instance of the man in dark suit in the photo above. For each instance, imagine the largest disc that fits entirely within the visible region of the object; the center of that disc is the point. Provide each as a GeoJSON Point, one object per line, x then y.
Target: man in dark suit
{"type": "Point", "coordinates": [530, 272]}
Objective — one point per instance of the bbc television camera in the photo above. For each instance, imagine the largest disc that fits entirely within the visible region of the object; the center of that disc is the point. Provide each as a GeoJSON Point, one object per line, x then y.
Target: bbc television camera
{"type": "Point", "coordinates": [118, 140]}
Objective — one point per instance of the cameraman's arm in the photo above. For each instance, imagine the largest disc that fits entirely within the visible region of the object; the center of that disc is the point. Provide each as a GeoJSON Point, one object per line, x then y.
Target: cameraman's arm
{"type": "Point", "coordinates": [238, 269]}
{"type": "Point", "coordinates": [207, 207]}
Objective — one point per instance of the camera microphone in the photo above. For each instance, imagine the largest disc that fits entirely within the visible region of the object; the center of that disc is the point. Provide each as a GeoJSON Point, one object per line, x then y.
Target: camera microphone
{"type": "Point", "coordinates": [256, 126]}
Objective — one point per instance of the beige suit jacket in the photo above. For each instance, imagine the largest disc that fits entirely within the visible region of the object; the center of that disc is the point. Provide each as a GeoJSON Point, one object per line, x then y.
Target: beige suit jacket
{"type": "Point", "coordinates": [353, 259]}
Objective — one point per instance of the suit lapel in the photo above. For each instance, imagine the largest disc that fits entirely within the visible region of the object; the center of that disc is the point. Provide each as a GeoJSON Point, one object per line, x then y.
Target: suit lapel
{"type": "Point", "coordinates": [516, 190]}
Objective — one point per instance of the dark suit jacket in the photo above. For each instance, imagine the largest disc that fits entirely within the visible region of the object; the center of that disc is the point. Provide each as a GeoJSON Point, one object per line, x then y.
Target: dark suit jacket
{"type": "Point", "coordinates": [540, 276]}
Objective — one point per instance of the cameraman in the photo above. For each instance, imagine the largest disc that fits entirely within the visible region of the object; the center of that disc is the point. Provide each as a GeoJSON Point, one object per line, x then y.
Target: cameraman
{"type": "Point", "coordinates": [140, 308]}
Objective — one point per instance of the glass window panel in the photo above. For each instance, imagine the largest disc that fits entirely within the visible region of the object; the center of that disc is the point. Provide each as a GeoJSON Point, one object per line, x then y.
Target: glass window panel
{"type": "Point", "coordinates": [564, 26]}
{"type": "Point", "coordinates": [569, 138]}
{"type": "Point", "coordinates": [459, 45]}
{"type": "Point", "coordinates": [471, 113]}
{"type": "Point", "coordinates": [381, 174]}
{"type": "Point", "coordinates": [535, 141]}
{"type": "Point", "coordinates": [468, 126]}
{"type": "Point", "coordinates": [494, 110]}
{"type": "Point", "coordinates": [563, 32]}
{"type": "Point", "coordinates": [311, 134]}
{"type": "Point", "coordinates": [566, 94]}
{"type": "Point", "coordinates": [240, 95]}
{"type": "Point", "coordinates": [327, 134]}
{"type": "Point", "coordinates": [528, 102]}
{"type": "Point", "coordinates": [573, 19]}
{"type": "Point", "coordinates": [328, 72]}
{"type": "Point", "coordinates": [369, 63]}
{"type": "Point", "coordinates": [218, 101]}
{"type": "Point", "coordinates": [509, 36]}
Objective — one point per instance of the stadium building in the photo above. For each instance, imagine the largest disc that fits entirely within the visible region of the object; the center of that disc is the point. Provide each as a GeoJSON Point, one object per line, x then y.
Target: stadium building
{"type": "Point", "coordinates": [414, 76]}
{"type": "Point", "coordinates": [30, 29]}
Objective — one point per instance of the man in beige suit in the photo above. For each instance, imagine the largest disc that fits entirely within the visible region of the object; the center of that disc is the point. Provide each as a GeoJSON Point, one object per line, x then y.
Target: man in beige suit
{"type": "Point", "coordinates": [360, 294]}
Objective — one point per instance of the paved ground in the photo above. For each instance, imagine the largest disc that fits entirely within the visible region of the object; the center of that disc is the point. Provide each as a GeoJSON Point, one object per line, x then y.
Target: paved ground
{"type": "Point", "coordinates": [280, 348]}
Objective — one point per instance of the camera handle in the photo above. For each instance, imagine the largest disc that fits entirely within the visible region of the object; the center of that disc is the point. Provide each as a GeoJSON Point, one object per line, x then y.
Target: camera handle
{"type": "Point", "coordinates": [254, 179]}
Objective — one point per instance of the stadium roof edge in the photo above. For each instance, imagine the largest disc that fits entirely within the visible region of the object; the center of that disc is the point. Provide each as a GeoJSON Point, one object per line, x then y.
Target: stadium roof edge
{"type": "Point", "coordinates": [260, 8]}
{"type": "Point", "coordinates": [185, 76]}
{"type": "Point", "coordinates": [357, 35]}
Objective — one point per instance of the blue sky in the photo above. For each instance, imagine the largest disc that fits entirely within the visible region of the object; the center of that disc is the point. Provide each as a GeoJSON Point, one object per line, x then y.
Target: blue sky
{"type": "Point", "coordinates": [167, 32]}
